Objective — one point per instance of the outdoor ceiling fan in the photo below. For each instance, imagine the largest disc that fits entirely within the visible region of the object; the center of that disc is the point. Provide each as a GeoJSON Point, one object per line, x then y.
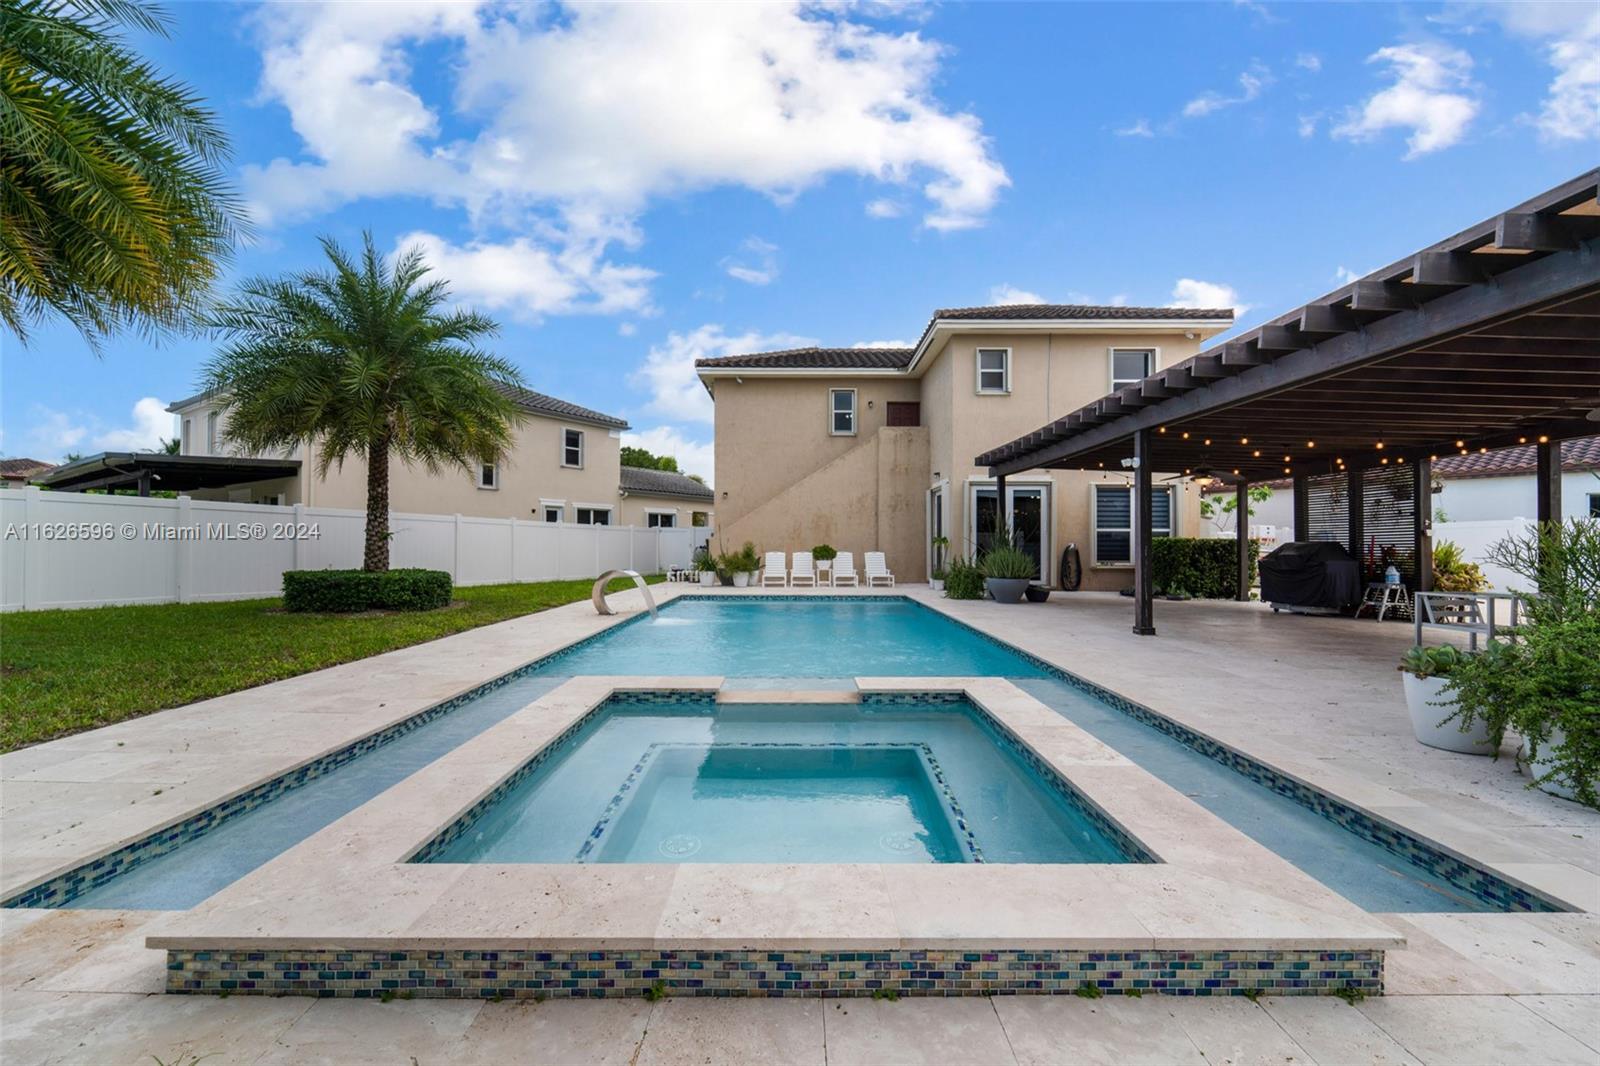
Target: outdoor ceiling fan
{"type": "Point", "coordinates": [1204, 473]}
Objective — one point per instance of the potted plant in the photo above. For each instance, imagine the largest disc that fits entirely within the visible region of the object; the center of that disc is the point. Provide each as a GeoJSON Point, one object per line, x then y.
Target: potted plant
{"type": "Point", "coordinates": [748, 562]}
{"type": "Point", "coordinates": [1544, 680]}
{"type": "Point", "coordinates": [824, 555]}
{"type": "Point", "coordinates": [1007, 569]}
{"type": "Point", "coordinates": [1452, 572]}
{"type": "Point", "coordinates": [1436, 718]}
{"type": "Point", "coordinates": [1037, 593]}
{"type": "Point", "coordinates": [936, 574]}
{"type": "Point", "coordinates": [705, 568]}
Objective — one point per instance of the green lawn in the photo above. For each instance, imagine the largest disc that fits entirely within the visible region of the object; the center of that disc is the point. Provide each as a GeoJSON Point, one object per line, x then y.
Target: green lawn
{"type": "Point", "coordinates": [63, 672]}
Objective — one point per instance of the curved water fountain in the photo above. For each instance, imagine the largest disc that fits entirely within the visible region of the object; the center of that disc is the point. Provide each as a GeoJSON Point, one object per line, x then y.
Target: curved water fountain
{"type": "Point", "coordinates": [598, 595]}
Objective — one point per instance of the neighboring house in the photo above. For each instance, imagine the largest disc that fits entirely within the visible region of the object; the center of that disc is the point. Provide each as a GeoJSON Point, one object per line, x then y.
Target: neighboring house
{"type": "Point", "coordinates": [565, 465]}
{"type": "Point", "coordinates": [872, 448]}
{"type": "Point", "coordinates": [17, 473]}
{"type": "Point", "coordinates": [1477, 487]}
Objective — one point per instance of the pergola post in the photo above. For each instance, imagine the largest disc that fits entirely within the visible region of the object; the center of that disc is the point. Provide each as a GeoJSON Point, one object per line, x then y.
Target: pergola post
{"type": "Point", "coordinates": [1422, 523]}
{"type": "Point", "coordinates": [1002, 518]}
{"type": "Point", "coordinates": [1356, 504]}
{"type": "Point", "coordinates": [1241, 523]}
{"type": "Point", "coordinates": [1144, 622]}
{"type": "Point", "coordinates": [1302, 509]}
{"type": "Point", "coordinates": [144, 483]}
{"type": "Point", "coordinates": [1547, 477]}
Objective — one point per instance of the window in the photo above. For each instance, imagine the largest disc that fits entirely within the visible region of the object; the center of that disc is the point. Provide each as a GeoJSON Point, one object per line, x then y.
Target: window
{"type": "Point", "coordinates": [188, 436]}
{"type": "Point", "coordinates": [572, 447]}
{"type": "Point", "coordinates": [1113, 521]}
{"type": "Point", "coordinates": [660, 519]}
{"type": "Point", "coordinates": [1594, 505]}
{"type": "Point", "coordinates": [211, 433]}
{"type": "Point", "coordinates": [552, 513]}
{"type": "Point", "coordinates": [1129, 366]}
{"type": "Point", "coordinates": [594, 516]}
{"type": "Point", "coordinates": [994, 369]}
{"type": "Point", "coordinates": [488, 476]}
{"type": "Point", "coordinates": [842, 412]}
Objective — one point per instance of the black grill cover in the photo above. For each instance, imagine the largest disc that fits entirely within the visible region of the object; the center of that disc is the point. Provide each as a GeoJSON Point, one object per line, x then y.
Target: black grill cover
{"type": "Point", "coordinates": [1315, 573]}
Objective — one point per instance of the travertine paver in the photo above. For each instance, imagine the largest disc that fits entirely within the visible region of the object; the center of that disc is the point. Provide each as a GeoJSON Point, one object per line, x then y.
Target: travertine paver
{"type": "Point", "coordinates": [1332, 1031]}
{"type": "Point", "coordinates": [1236, 1032]}
{"type": "Point", "coordinates": [357, 1032]}
{"type": "Point", "coordinates": [1044, 1031]}
{"type": "Point", "coordinates": [1451, 1030]}
{"type": "Point", "coordinates": [746, 1031]}
{"type": "Point", "coordinates": [869, 1032]}
{"type": "Point", "coordinates": [597, 1032]}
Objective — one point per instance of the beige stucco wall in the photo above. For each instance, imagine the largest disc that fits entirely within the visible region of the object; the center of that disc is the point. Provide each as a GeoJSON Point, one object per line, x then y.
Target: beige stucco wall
{"type": "Point", "coordinates": [868, 499]}
{"type": "Point", "coordinates": [772, 433]}
{"type": "Point", "coordinates": [635, 507]}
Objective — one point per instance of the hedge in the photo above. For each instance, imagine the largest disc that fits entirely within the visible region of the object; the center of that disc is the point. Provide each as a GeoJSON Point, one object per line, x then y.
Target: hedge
{"type": "Point", "coordinates": [340, 591]}
{"type": "Point", "coordinates": [1206, 567]}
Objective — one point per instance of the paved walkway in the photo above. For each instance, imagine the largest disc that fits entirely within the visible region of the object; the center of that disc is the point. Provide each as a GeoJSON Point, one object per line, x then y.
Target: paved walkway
{"type": "Point", "coordinates": [1317, 695]}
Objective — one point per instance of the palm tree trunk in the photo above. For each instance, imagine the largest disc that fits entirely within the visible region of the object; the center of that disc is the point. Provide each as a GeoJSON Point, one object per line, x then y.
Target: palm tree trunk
{"type": "Point", "coordinates": [377, 553]}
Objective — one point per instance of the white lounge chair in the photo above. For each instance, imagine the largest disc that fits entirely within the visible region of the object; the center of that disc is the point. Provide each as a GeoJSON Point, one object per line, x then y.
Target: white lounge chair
{"type": "Point", "coordinates": [773, 572]}
{"type": "Point", "coordinates": [801, 570]}
{"type": "Point", "coordinates": [844, 570]}
{"type": "Point", "coordinates": [878, 571]}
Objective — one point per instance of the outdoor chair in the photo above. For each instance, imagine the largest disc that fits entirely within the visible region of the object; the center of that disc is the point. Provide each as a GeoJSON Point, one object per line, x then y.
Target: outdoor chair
{"type": "Point", "coordinates": [878, 572]}
{"type": "Point", "coordinates": [802, 571]}
{"type": "Point", "coordinates": [773, 572]}
{"type": "Point", "coordinates": [844, 570]}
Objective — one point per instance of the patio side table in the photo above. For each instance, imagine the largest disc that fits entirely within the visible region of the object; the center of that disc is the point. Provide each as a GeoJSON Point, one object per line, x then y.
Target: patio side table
{"type": "Point", "coordinates": [1383, 597]}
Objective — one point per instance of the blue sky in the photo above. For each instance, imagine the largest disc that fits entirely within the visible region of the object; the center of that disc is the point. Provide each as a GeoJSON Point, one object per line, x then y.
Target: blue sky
{"type": "Point", "coordinates": [628, 188]}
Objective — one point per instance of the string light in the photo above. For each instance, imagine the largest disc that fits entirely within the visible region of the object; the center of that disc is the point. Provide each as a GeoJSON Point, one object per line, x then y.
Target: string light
{"type": "Point", "coordinates": [1244, 440]}
{"type": "Point", "coordinates": [1461, 444]}
{"type": "Point", "coordinates": [1163, 429]}
{"type": "Point", "coordinates": [1311, 444]}
{"type": "Point", "coordinates": [1522, 440]}
{"type": "Point", "coordinates": [1185, 434]}
{"type": "Point", "coordinates": [1544, 440]}
{"type": "Point", "coordinates": [1380, 445]}
{"type": "Point", "coordinates": [1208, 442]}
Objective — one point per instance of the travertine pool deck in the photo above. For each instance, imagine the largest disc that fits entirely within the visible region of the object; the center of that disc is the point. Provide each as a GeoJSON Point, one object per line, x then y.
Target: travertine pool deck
{"type": "Point", "coordinates": [1315, 696]}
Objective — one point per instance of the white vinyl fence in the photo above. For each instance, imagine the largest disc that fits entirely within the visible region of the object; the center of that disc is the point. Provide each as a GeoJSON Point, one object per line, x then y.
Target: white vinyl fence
{"type": "Point", "coordinates": [66, 549]}
{"type": "Point", "coordinates": [1476, 538]}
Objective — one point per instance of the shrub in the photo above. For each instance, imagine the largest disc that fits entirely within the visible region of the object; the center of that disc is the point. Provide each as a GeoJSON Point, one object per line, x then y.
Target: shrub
{"type": "Point", "coordinates": [1204, 567]}
{"type": "Point", "coordinates": [342, 591]}
{"type": "Point", "coordinates": [824, 553]}
{"type": "Point", "coordinates": [963, 580]}
{"type": "Point", "coordinates": [1452, 572]}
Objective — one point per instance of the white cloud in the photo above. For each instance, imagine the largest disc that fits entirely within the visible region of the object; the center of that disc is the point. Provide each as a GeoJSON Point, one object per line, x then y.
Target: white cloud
{"type": "Point", "coordinates": [757, 263]}
{"type": "Point", "coordinates": [1189, 292]}
{"type": "Point", "coordinates": [1141, 128]}
{"type": "Point", "coordinates": [1308, 61]}
{"type": "Point", "coordinates": [1251, 84]}
{"type": "Point", "coordinates": [627, 329]}
{"type": "Point", "coordinates": [1344, 275]}
{"type": "Point", "coordinates": [1006, 295]}
{"type": "Point", "coordinates": [668, 368]}
{"type": "Point", "coordinates": [694, 456]}
{"type": "Point", "coordinates": [1307, 124]}
{"type": "Point", "coordinates": [883, 344]}
{"type": "Point", "coordinates": [52, 434]}
{"type": "Point", "coordinates": [782, 97]}
{"type": "Point", "coordinates": [1431, 96]}
{"type": "Point", "coordinates": [528, 280]}
{"type": "Point", "coordinates": [884, 208]}
{"type": "Point", "coordinates": [1570, 35]}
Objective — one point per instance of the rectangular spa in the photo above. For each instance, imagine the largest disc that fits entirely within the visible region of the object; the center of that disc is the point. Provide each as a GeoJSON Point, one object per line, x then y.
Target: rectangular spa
{"type": "Point", "coordinates": [929, 781]}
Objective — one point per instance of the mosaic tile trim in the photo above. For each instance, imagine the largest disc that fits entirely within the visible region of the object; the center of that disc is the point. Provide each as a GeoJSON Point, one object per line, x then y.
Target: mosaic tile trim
{"type": "Point", "coordinates": [1470, 878]}
{"type": "Point", "coordinates": [953, 809]}
{"type": "Point", "coordinates": [906, 972]}
{"type": "Point", "coordinates": [430, 849]}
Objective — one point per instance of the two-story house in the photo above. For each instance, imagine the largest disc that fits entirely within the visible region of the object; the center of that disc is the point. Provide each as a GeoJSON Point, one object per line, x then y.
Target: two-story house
{"type": "Point", "coordinates": [872, 448]}
{"type": "Point", "coordinates": [564, 466]}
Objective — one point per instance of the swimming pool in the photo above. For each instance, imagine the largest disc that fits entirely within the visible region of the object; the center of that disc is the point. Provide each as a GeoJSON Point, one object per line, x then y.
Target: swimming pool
{"type": "Point", "coordinates": [772, 640]}
{"type": "Point", "coordinates": [706, 782]}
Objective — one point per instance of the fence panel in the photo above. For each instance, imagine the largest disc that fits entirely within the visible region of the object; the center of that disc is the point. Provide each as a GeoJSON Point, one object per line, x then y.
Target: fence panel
{"type": "Point", "coordinates": [180, 550]}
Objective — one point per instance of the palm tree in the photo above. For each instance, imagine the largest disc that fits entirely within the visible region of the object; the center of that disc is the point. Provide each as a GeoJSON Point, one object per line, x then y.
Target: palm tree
{"type": "Point", "coordinates": [114, 209]}
{"type": "Point", "coordinates": [363, 359]}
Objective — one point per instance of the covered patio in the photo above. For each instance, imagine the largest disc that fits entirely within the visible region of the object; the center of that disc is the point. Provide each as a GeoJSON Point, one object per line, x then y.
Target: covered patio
{"type": "Point", "coordinates": [1485, 340]}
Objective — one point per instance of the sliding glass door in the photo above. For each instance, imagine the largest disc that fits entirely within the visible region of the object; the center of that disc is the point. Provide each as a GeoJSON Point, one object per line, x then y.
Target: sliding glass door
{"type": "Point", "coordinates": [1029, 510]}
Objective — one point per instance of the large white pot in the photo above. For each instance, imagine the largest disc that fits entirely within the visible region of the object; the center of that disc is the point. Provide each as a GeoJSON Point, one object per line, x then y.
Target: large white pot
{"type": "Point", "coordinates": [1537, 768]}
{"type": "Point", "coordinates": [740, 579]}
{"type": "Point", "coordinates": [1428, 707]}
{"type": "Point", "coordinates": [937, 583]}
{"type": "Point", "coordinates": [708, 578]}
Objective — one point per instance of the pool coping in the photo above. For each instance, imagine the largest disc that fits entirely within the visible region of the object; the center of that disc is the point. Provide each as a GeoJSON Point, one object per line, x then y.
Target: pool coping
{"type": "Point", "coordinates": [1215, 890]}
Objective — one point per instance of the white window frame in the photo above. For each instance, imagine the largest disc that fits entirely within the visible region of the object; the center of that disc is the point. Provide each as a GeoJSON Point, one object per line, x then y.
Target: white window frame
{"type": "Point", "coordinates": [833, 412]}
{"type": "Point", "coordinates": [565, 447]}
{"type": "Point", "coordinates": [188, 436]}
{"type": "Point", "coordinates": [558, 506]}
{"type": "Point", "coordinates": [1005, 372]}
{"type": "Point", "coordinates": [494, 477]}
{"type": "Point", "coordinates": [661, 512]}
{"type": "Point", "coordinates": [1133, 518]}
{"type": "Point", "coordinates": [1115, 382]}
{"type": "Point", "coordinates": [593, 508]}
{"type": "Point", "coordinates": [213, 420]}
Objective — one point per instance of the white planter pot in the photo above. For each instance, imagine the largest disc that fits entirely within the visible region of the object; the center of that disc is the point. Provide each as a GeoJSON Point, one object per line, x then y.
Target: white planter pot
{"type": "Point", "coordinates": [740, 580]}
{"type": "Point", "coordinates": [708, 578]}
{"type": "Point", "coordinates": [1537, 768]}
{"type": "Point", "coordinates": [1428, 708]}
{"type": "Point", "coordinates": [937, 583]}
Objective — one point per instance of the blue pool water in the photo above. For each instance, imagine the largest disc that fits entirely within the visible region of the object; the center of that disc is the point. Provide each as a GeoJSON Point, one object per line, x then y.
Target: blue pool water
{"type": "Point", "coordinates": [757, 643]}
{"type": "Point", "coordinates": [652, 782]}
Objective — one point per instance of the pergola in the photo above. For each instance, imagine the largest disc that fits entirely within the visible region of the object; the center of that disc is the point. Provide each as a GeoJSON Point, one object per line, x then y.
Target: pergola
{"type": "Point", "coordinates": [142, 471]}
{"type": "Point", "coordinates": [1487, 339]}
